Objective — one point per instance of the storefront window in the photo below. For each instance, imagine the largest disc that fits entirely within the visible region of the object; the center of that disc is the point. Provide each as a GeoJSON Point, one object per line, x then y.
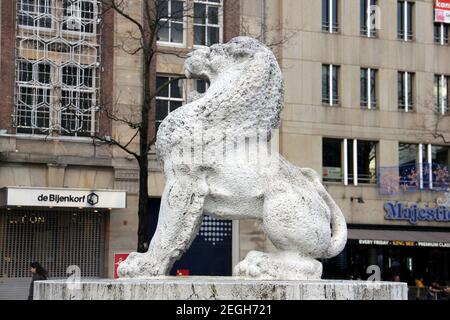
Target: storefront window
{"type": "Point", "coordinates": [404, 263]}
{"type": "Point", "coordinates": [423, 167]}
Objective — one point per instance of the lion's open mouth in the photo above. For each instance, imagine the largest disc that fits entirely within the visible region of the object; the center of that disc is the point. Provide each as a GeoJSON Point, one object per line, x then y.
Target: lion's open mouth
{"type": "Point", "coordinates": [194, 68]}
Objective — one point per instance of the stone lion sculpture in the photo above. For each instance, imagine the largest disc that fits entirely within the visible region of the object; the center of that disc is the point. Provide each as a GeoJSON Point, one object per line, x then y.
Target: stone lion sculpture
{"type": "Point", "coordinates": [239, 112]}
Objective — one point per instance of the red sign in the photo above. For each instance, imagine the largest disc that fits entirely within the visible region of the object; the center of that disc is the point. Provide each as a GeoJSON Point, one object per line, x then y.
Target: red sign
{"type": "Point", "coordinates": [442, 11]}
{"type": "Point", "coordinates": [118, 258]}
{"type": "Point", "coordinates": [183, 272]}
{"type": "Point", "coordinates": [442, 4]}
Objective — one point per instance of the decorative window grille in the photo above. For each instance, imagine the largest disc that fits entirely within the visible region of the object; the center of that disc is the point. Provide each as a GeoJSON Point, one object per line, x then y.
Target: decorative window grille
{"type": "Point", "coordinates": [57, 67]}
{"type": "Point", "coordinates": [208, 23]}
{"type": "Point", "coordinates": [35, 13]}
{"type": "Point", "coordinates": [171, 14]}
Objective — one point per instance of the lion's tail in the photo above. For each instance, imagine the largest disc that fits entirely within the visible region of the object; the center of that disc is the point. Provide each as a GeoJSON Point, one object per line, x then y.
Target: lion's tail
{"type": "Point", "coordinates": [339, 228]}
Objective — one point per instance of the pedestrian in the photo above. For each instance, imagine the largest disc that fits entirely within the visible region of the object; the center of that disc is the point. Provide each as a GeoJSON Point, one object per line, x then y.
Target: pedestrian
{"type": "Point", "coordinates": [39, 274]}
{"type": "Point", "coordinates": [435, 291]}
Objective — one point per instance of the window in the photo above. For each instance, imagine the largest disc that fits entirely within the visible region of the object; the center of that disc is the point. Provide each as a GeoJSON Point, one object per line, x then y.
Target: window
{"type": "Point", "coordinates": [201, 85]}
{"type": "Point", "coordinates": [441, 33]}
{"type": "Point", "coordinates": [407, 154]}
{"type": "Point", "coordinates": [441, 93]}
{"type": "Point", "coordinates": [364, 155]}
{"type": "Point", "coordinates": [405, 20]}
{"type": "Point", "coordinates": [332, 159]}
{"type": "Point", "coordinates": [348, 160]}
{"type": "Point", "coordinates": [79, 16]}
{"type": "Point", "coordinates": [367, 25]}
{"type": "Point", "coordinates": [171, 15]}
{"type": "Point", "coordinates": [169, 98]}
{"type": "Point", "coordinates": [57, 84]}
{"type": "Point", "coordinates": [77, 98]}
{"type": "Point", "coordinates": [330, 16]}
{"type": "Point", "coordinates": [417, 161]}
{"type": "Point", "coordinates": [207, 22]}
{"type": "Point", "coordinates": [368, 87]}
{"type": "Point", "coordinates": [405, 91]}
{"type": "Point", "coordinates": [441, 156]}
{"type": "Point", "coordinates": [330, 92]}
{"type": "Point", "coordinates": [34, 13]}
{"type": "Point", "coordinates": [408, 164]}
{"type": "Point", "coordinates": [33, 97]}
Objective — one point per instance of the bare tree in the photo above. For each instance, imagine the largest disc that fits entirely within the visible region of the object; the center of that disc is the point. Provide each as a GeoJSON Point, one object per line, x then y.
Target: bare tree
{"type": "Point", "coordinates": [435, 122]}
{"type": "Point", "coordinates": [142, 41]}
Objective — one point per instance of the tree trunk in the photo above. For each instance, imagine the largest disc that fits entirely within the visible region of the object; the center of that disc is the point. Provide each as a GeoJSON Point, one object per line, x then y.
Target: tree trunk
{"type": "Point", "coordinates": [143, 236]}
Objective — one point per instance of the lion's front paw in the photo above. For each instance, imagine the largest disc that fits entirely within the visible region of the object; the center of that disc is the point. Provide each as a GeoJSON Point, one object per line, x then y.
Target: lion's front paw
{"type": "Point", "coordinates": [138, 265]}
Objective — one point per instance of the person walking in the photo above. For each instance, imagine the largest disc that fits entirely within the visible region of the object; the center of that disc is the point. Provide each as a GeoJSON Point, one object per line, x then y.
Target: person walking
{"type": "Point", "coordinates": [39, 274]}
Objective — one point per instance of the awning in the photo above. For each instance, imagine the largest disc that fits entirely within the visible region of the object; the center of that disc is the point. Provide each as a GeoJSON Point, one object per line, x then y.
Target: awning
{"type": "Point", "coordinates": [397, 237]}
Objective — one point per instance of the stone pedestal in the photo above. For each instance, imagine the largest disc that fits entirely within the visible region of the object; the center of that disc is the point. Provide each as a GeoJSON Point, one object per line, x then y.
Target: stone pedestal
{"type": "Point", "coordinates": [218, 288]}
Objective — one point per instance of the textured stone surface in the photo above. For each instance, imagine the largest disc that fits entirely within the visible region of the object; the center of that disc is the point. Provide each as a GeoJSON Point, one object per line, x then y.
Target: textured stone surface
{"type": "Point", "coordinates": [219, 159]}
{"type": "Point", "coordinates": [218, 288]}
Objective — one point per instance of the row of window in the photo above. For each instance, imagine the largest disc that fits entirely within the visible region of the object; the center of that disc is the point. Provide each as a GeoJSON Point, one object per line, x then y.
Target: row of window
{"type": "Point", "coordinates": [370, 18]}
{"type": "Point", "coordinates": [78, 16]}
{"type": "Point", "coordinates": [352, 161]}
{"type": "Point", "coordinates": [368, 89]}
{"type": "Point", "coordinates": [81, 17]}
{"type": "Point", "coordinates": [207, 21]}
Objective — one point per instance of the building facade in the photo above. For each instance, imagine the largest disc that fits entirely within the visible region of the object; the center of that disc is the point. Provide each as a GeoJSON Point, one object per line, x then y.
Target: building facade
{"type": "Point", "coordinates": [366, 105]}
{"type": "Point", "coordinates": [366, 82]}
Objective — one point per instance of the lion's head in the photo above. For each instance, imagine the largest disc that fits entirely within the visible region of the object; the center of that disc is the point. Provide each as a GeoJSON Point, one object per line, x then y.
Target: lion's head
{"type": "Point", "coordinates": [245, 80]}
{"type": "Point", "coordinates": [206, 63]}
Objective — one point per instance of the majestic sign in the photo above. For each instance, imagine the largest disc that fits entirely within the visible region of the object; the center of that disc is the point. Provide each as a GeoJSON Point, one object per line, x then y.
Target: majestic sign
{"type": "Point", "coordinates": [63, 198]}
{"type": "Point", "coordinates": [442, 11]}
{"type": "Point", "coordinates": [413, 214]}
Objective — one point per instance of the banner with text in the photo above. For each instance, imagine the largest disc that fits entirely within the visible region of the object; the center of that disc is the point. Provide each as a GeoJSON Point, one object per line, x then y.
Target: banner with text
{"type": "Point", "coordinates": [442, 11]}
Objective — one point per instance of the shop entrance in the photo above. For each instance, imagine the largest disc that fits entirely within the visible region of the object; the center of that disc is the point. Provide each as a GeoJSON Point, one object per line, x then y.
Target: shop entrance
{"type": "Point", "coordinates": [211, 251]}
{"type": "Point", "coordinates": [409, 263]}
{"type": "Point", "coordinates": [55, 238]}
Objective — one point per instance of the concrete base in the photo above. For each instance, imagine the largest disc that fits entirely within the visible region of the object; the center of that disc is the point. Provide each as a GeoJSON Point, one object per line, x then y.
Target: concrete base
{"type": "Point", "coordinates": [218, 288]}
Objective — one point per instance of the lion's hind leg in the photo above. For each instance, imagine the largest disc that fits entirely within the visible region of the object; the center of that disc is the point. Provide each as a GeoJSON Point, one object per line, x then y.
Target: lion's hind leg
{"type": "Point", "coordinates": [298, 228]}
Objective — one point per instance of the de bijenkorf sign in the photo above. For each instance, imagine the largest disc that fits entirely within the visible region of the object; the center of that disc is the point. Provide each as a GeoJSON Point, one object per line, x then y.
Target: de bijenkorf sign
{"type": "Point", "coordinates": [62, 197]}
{"type": "Point", "coordinates": [413, 213]}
